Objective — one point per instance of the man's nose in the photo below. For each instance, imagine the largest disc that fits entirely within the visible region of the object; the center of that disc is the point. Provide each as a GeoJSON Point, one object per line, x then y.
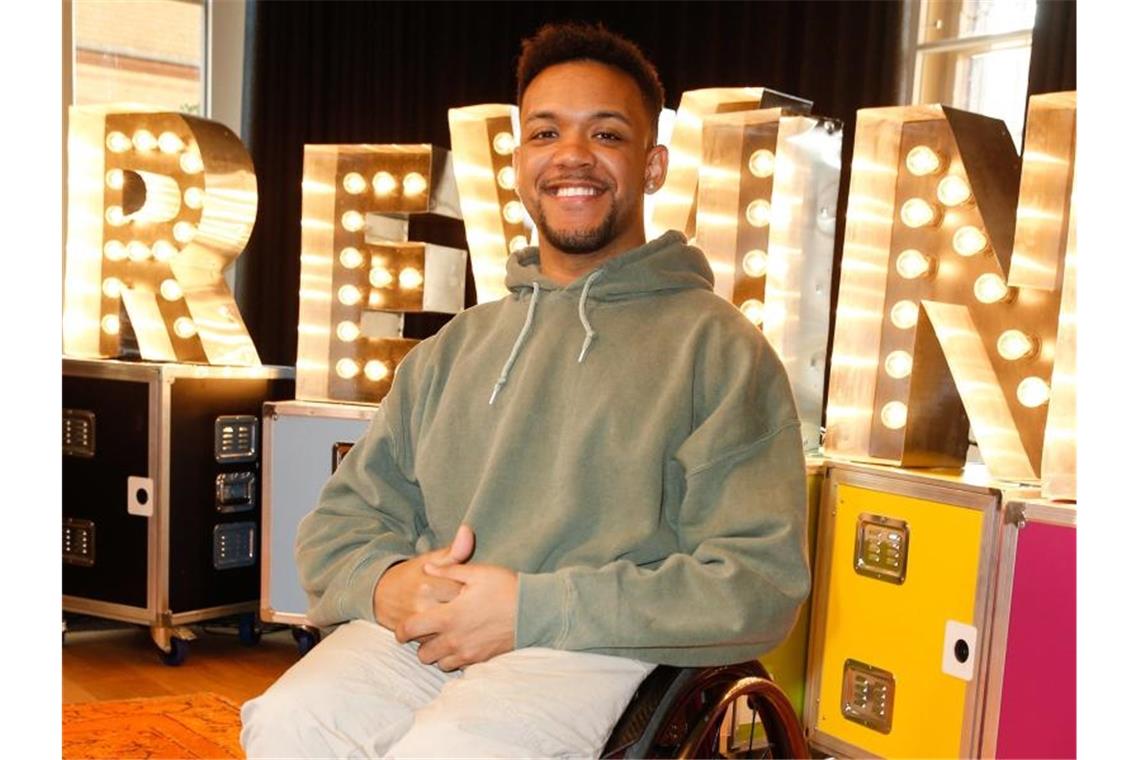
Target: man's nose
{"type": "Point", "coordinates": [573, 150]}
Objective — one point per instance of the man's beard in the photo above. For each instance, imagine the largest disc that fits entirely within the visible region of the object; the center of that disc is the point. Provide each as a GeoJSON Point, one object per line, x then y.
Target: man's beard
{"type": "Point", "coordinates": [579, 241]}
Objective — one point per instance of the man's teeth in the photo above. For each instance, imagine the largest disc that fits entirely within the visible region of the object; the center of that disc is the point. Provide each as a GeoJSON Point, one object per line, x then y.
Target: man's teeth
{"type": "Point", "coordinates": [567, 192]}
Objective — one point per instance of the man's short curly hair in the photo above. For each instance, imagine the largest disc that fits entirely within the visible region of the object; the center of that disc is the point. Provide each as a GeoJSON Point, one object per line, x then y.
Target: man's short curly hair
{"type": "Point", "coordinates": [578, 41]}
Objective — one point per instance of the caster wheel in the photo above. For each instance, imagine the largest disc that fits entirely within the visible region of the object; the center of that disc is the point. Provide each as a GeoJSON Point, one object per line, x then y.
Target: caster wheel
{"type": "Point", "coordinates": [249, 632]}
{"type": "Point", "coordinates": [179, 648]}
{"type": "Point", "coordinates": [306, 639]}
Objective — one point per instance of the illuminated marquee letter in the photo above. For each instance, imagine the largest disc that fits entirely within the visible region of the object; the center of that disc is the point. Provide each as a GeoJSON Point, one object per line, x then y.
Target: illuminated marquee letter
{"type": "Point", "coordinates": [159, 204]}
{"type": "Point", "coordinates": [768, 184]}
{"type": "Point", "coordinates": [947, 317]}
{"type": "Point", "coordinates": [359, 272]}
{"type": "Point", "coordinates": [675, 204]}
{"type": "Point", "coordinates": [483, 141]}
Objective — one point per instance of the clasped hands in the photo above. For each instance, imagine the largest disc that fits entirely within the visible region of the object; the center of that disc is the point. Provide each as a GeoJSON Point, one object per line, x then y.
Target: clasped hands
{"type": "Point", "coordinates": [460, 613]}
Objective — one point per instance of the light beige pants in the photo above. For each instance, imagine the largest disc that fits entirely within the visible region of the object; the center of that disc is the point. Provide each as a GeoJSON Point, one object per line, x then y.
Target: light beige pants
{"type": "Point", "coordinates": [361, 694]}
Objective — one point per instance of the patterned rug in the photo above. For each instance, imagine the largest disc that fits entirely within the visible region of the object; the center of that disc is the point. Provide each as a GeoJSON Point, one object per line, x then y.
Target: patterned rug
{"type": "Point", "coordinates": [201, 725]}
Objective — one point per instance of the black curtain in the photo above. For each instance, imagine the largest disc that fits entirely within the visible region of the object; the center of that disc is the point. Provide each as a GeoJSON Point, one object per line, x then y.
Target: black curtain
{"type": "Point", "coordinates": [355, 72]}
{"type": "Point", "coordinates": [1053, 58]}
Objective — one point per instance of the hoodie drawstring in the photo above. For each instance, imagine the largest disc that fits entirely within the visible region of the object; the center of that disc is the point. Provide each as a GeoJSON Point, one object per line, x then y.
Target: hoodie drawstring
{"type": "Point", "coordinates": [518, 345]}
{"type": "Point", "coordinates": [590, 332]}
{"type": "Point", "coordinates": [582, 314]}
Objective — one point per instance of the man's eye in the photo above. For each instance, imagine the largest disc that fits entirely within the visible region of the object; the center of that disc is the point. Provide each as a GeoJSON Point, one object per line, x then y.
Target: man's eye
{"type": "Point", "coordinates": [608, 136]}
{"type": "Point", "coordinates": [544, 134]}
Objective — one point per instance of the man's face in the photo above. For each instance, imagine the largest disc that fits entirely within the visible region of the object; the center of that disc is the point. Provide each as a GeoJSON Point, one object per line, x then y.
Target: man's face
{"type": "Point", "coordinates": [586, 158]}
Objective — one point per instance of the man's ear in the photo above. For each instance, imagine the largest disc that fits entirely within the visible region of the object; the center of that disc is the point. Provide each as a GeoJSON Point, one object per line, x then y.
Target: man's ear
{"type": "Point", "coordinates": [656, 167]}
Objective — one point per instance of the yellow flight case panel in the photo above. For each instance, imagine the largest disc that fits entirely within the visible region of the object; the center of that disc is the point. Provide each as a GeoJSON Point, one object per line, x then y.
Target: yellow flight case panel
{"type": "Point", "coordinates": [903, 582]}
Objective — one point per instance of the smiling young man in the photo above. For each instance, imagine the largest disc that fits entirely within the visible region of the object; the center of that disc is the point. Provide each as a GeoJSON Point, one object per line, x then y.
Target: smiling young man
{"type": "Point", "coordinates": [601, 472]}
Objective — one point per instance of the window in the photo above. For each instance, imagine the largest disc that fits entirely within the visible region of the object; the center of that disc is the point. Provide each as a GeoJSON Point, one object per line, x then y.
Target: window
{"type": "Point", "coordinates": [974, 55]}
{"type": "Point", "coordinates": [147, 52]}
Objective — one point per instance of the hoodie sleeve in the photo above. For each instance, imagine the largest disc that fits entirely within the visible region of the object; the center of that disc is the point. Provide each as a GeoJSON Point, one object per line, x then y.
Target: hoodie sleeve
{"type": "Point", "coordinates": [734, 588]}
{"type": "Point", "coordinates": [368, 517]}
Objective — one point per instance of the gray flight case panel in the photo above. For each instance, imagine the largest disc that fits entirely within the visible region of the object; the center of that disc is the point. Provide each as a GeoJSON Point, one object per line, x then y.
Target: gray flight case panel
{"type": "Point", "coordinates": [304, 443]}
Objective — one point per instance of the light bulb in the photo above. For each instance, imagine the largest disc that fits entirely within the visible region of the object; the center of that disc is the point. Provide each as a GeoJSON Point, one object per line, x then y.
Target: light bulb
{"type": "Point", "coordinates": [953, 190]}
{"type": "Point", "coordinates": [352, 221]}
{"type": "Point", "coordinates": [759, 213]}
{"type": "Point", "coordinates": [922, 160]}
{"type": "Point", "coordinates": [513, 212]}
{"type": "Point", "coordinates": [184, 232]}
{"type": "Point", "coordinates": [990, 288]}
{"type": "Point", "coordinates": [1014, 344]}
{"type": "Point", "coordinates": [918, 213]}
{"type": "Point", "coordinates": [115, 179]}
{"type": "Point", "coordinates": [414, 183]}
{"type": "Point", "coordinates": [898, 364]}
{"type": "Point", "coordinates": [504, 143]}
{"type": "Point", "coordinates": [893, 415]}
{"type": "Point", "coordinates": [110, 324]}
{"type": "Point", "coordinates": [347, 369]}
{"type": "Point", "coordinates": [168, 142]}
{"type": "Point", "coordinates": [114, 216]}
{"type": "Point", "coordinates": [144, 139]}
{"type": "Point", "coordinates": [190, 162]}
{"type": "Point", "coordinates": [184, 327]}
{"type": "Point", "coordinates": [375, 370]}
{"type": "Point", "coordinates": [170, 290]}
{"type": "Point", "coordinates": [112, 287]}
{"type": "Point", "coordinates": [354, 183]}
{"type": "Point", "coordinates": [137, 250]}
{"type": "Point", "coordinates": [193, 197]}
{"type": "Point", "coordinates": [518, 242]}
{"type": "Point", "coordinates": [380, 277]}
{"type": "Point", "coordinates": [351, 258]}
{"type": "Point", "coordinates": [383, 183]}
{"type": "Point", "coordinates": [347, 331]}
{"type": "Point", "coordinates": [762, 163]}
{"type": "Point", "coordinates": [755, 263]}
{"type": "Point", "coordinates": [349, 295]}
{"type": "Point", "coordinates": [410, 278]}
{"type": "Point", "coordinates": [506, 178]}
{"type": "Point", "coordinates": [969, 240]}
{"type": "Point", "coordinates": [753, 310]}
{"type": "Point", "coordinates": [912, 264]}
{"type": "Point", "coordinates": [904, 315]}
{"type": "Point", "coordinates": [1032, 392]}
{"type": "Point", "coordinates": [117, 142]}
{"type": "Point", "coordinates": [163, 250]}
{"type": "Point", "coordinates": [114, 250]}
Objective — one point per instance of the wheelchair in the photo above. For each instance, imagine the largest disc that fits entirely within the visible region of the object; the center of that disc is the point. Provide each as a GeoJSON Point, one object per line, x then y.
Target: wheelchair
{"type": "Point", "coordinates": [677, 712]}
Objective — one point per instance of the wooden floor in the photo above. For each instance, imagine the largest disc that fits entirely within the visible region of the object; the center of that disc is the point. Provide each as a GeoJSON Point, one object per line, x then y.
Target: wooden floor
{"type": "Point", "coordinates": [123, 664]}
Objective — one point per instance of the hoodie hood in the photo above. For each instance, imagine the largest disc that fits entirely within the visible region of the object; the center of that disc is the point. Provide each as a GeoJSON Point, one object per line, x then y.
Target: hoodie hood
{"type": "Point", "coordinates": [666, 263]}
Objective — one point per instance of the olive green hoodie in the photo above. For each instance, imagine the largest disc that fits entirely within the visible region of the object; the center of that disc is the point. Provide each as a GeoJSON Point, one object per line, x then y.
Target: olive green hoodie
{"type": "Point", "coordinates": [628, 443]}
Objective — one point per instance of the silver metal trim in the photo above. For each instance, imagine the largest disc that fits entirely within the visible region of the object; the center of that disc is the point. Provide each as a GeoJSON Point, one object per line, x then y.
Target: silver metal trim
{"type": "Point", "coordinates": [322, 409]}
{"type": "Point", "coordinates": [78, 421]}
{"type": "Point", "coordinates": [130, 370]}
{"type": "Point", "coordinates": [246, 479]}
{"type": "Point", "coordinates": [227, 445]}
{"type": "Point", "coordinates": [158, 547]}
{"type": "Point", "coordinates": [109, 610]}
{"type": "Point", "coordinates": [1050, 512]}
{"type": "Point", "coordinates": [270, 615]}
{"type": "Point", "coordinates": [208, 613]}
{"type": "Point", "coordinates": [238, 531]}
{"type": "Point", "coordinates": [87, 528]}
{"type": "Point", "coordinates": [867, 522]}
{"type": "Point", "coordinates": [268, 415]}
{"type": "Point", "coordinates": [852, 670]}
{"type": "Point", "coordinates": [999, 633]}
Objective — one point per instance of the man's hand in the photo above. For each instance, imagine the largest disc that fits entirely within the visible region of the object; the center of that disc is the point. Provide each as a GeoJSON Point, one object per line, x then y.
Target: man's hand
{"type": "Point", "coordinates": [475, 625]}
{"type": "Point", "coordinates": [404, 589]}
